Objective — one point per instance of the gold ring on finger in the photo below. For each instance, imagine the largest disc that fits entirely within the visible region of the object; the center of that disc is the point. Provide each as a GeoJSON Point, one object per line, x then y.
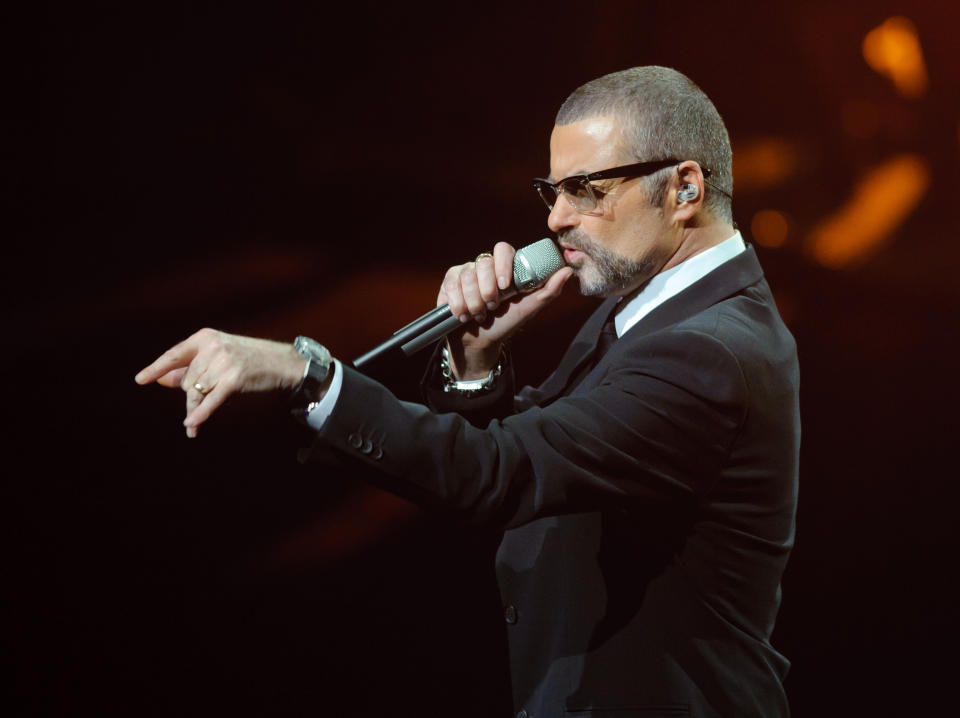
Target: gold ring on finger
{"type": "Point", "coordinates": [483, 255]}
{"type": "Point", "coordinates": [203, 389]}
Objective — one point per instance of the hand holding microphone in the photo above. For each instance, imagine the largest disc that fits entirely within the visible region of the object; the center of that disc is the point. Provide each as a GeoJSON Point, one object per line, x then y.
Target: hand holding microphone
{"type": "Point", "coordinates": [475, 289]}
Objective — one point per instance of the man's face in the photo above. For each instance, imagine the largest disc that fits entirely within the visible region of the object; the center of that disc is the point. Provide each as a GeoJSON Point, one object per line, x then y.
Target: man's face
{"type": "Point", "coordinates": [626, 240]}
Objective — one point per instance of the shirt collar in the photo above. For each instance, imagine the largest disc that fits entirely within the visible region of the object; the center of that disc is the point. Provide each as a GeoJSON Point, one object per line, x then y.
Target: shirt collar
{"type": "Point", "coordinates": [668, 283]}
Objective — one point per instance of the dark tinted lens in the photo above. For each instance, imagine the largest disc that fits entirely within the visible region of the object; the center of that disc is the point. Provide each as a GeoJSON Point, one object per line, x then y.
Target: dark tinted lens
{"type": "Point", "coordinates": [547, 193]}
{"type": "Point", "coordinates": [579, 194]}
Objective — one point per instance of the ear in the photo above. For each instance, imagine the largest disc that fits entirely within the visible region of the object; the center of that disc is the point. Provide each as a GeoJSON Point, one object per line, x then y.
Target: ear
{"type": "Point", "coordinates": [685, 191]}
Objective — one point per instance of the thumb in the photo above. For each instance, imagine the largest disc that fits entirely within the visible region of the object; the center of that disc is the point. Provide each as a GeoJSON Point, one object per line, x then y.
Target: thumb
{"type": "Point", "coordinates": [530, 304]}
{"type": "Point", "coordinates": [551, 290]}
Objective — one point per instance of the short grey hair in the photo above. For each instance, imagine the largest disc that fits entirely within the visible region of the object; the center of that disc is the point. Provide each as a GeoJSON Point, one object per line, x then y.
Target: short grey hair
{"type": "Point", "coordinates": [664, 115]}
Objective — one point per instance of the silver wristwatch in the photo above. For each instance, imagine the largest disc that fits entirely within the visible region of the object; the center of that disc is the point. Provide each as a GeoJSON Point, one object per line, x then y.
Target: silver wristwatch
{"type": "Point", "coordinates": [316, 371]}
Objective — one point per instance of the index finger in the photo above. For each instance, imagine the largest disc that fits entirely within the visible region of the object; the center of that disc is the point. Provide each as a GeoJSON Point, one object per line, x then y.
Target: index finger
{"type": "Point", "coordinates": [176, 357]}
{"type": "Point", "coordinates": [503, 263]}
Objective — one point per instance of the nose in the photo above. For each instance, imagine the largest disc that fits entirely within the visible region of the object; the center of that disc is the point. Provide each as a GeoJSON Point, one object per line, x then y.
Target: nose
{"type": "Point", "coordinates": [563, 215]}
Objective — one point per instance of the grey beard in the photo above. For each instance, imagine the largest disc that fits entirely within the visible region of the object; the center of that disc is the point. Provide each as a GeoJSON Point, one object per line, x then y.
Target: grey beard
{"type": "Point", "coordinates": [613, 272]}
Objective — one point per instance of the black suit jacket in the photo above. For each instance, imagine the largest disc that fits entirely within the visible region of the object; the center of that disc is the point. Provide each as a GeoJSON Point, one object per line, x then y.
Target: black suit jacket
{"type": "Point", "coordinates": [649, 508]}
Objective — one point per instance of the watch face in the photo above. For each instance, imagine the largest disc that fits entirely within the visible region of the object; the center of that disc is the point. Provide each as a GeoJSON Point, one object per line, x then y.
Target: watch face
{"type": "Point", "coordinates": [312, 349]}
{"type": "Point", "coordinates": [308, 348]}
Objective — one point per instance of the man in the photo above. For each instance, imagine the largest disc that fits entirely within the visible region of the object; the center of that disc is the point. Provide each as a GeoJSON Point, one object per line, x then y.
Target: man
{"type": "Point", "coordinates": [648, 487]}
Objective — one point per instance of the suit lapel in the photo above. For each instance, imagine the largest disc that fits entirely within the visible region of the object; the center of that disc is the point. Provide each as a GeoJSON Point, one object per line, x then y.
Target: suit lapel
{"type": "Point", "coordinates": [579, 352]}
{"type": "Point", "coordinates": [725, 281]}
{"type": "Point", "coordinates": [728, 279]}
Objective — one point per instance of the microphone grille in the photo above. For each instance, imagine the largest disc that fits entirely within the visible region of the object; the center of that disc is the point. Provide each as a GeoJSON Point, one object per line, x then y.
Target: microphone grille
{"type": "Point", "coordinates": [533, 264]}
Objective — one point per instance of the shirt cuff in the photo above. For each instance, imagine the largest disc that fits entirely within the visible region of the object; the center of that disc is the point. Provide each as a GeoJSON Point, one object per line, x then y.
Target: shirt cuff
{"type": "Point", "coordinates": [317, 416]}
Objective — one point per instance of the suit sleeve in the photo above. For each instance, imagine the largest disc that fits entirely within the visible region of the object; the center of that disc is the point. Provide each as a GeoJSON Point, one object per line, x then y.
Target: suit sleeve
{"type": "Point", "coordinates": [657, 428]}
{"type": "Point", "coordinates": [478, 410]}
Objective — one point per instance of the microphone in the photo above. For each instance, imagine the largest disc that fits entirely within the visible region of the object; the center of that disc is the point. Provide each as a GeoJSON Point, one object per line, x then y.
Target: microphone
{"type": "Point", "coordinates": [532, 266]}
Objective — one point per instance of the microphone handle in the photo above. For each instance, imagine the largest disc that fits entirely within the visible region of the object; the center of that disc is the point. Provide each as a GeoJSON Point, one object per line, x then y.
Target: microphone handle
{"type": "Point", "coordinates": [421, 332]}
{"type": "Point", "coordinates": [444, 327]}
{"type": "Point", "coordinates": [431, 318]}
{"type": "Point", "coordinates": [402, 336]}
{"type": "Point", "coordinates": [431, 335]}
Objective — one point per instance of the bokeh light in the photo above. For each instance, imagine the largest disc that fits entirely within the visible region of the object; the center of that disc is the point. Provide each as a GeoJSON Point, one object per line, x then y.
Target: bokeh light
{"type": "Point", "coordinates": [893, 50]}
{"type": "Point", "coordinates": [763, 162]}
{"type": "Point", "coordinates": [881, 201]}
{"type": "Point", "coordinates": [769, 228]}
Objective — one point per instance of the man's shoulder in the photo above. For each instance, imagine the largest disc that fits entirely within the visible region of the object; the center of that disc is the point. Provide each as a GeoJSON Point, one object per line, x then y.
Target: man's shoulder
{"type": "Point", "coordinates": [741, 333]}
{"type": "Point", "coordinates": [748, 318]}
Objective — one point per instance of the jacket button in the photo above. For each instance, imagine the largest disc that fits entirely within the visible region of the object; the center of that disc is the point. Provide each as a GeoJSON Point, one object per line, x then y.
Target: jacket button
{"type": "Point", "coordinates": [522, 714]}
{"type": "Point", "coordinates": [355, 440]}
{"type": "Point", "coordinates": [510, 615]}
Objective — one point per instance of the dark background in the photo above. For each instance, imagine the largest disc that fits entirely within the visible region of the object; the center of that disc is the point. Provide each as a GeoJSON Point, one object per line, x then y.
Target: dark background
{"type": "Point", "coordinates": [290, 168]}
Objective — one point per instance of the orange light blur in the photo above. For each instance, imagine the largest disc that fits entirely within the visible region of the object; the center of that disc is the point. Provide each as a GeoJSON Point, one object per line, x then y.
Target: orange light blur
{"type": "Point", "coordinates": [769, 228]}
{"type": "Point", "coordinates": [882, 200]}
{"type": "Point", "coordinates": [893, 50]}
{"type": "Point", "coordinates": [762, 163]}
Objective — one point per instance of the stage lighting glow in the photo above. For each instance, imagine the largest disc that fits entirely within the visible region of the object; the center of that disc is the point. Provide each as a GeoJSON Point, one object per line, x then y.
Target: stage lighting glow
{"type": "Point", "coordinates": [881, 202]}
{"type": "Point", "coordinates": [893, 49]}
{"type": "Point", "coordinates": [763, 163]}
{"type": "Point", "coordinates": [769, 228]}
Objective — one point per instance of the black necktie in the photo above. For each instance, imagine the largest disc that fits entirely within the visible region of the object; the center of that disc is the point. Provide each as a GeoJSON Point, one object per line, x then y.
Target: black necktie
{"type": "Point", "coordinates": [608, 335]}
